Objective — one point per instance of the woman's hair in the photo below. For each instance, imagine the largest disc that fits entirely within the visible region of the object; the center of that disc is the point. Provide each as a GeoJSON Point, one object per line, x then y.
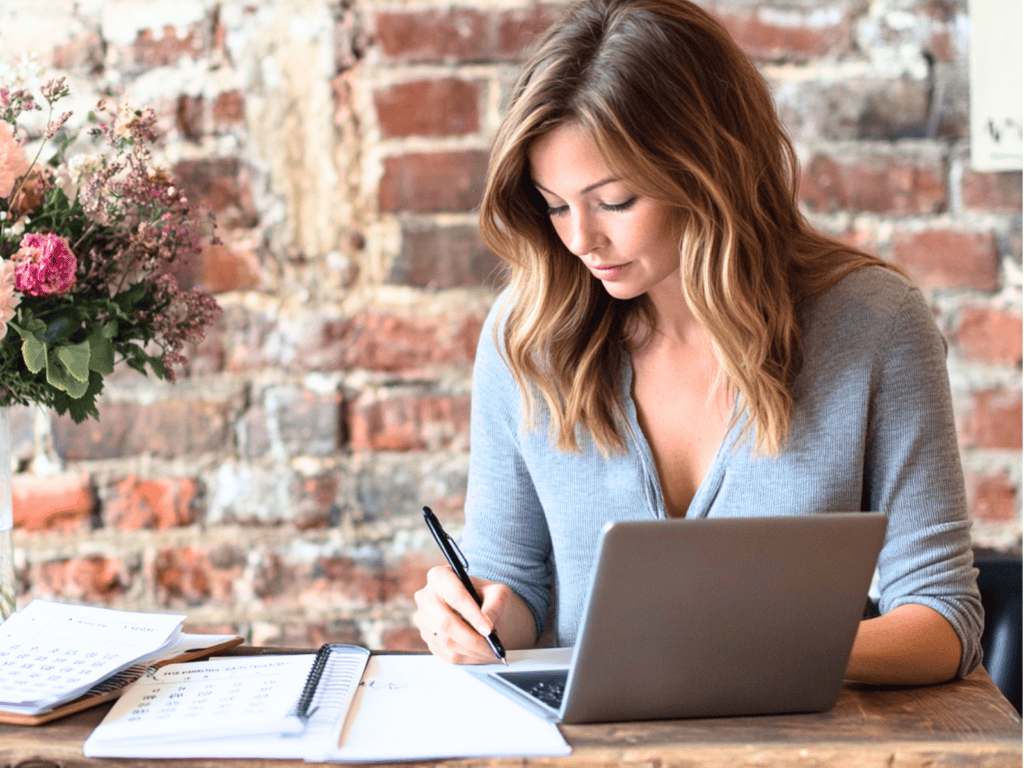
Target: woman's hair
{"type": "Point", "coordinates": [681, 116]}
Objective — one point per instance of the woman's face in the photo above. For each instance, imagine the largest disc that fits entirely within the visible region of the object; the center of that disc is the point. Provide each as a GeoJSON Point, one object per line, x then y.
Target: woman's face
{"type": "Point", "coordinates": [624, 239]}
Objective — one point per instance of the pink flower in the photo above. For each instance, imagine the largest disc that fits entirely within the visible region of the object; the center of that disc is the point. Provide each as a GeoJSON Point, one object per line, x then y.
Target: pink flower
{"type": "Point", "coordinates": [13, 164]}
{"type": "Point", "coordinates": [9, 300]}
{"type": "Point", "coordinates": [45, 265]}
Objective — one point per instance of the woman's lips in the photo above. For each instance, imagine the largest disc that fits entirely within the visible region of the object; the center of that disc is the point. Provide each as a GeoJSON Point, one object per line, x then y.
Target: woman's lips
{"type": "Point", "coordinates": [609, 272]}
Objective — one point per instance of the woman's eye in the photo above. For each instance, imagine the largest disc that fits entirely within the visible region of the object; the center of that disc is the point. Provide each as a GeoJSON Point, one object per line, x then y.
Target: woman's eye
{"type": "Point", "coordinates": [619, 206]}
{"type": "Point", "coordinates": [557, 210]}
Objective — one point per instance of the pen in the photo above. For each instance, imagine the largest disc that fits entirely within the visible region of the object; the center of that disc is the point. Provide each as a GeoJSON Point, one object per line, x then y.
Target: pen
{"type": "Point", "coordinates": [458, 562]}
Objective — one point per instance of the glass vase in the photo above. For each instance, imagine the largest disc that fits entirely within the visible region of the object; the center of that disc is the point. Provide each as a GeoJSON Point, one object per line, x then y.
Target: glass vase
{"type": "Point", "coordinates": [7, 583]}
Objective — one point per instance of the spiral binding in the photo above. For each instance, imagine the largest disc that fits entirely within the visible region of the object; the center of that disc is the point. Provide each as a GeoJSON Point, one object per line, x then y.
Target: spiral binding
{"type": "Point", "coordinates": [119, 680]}
{"type": "Point", "coordinates": [312, 681]}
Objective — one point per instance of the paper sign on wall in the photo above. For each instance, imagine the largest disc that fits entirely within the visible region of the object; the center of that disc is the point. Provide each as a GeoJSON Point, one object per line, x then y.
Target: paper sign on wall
{"type": "Point", "coordinates": [997, 83]}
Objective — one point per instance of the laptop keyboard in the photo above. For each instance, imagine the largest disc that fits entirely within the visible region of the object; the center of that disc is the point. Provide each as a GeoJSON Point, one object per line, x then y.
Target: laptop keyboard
{"type": "Point", "coordinates": [545, 686]}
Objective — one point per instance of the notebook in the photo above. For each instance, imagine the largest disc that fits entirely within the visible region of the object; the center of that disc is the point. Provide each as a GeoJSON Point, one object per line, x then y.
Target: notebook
{"type": "Point", "coordinates": [341, 705]}
{"type": "Point", "coordinates": [710, 617]}
{"type": "Point", "coordinates": [273, 706]}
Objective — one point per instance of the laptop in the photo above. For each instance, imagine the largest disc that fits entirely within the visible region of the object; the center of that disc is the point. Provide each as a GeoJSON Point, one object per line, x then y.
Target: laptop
{"type": "Point", "coordinates": [709, 618]}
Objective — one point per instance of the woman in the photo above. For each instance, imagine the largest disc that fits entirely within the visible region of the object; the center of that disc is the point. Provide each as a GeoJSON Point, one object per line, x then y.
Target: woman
{"type": "Point", "coordinates": [675, 340]}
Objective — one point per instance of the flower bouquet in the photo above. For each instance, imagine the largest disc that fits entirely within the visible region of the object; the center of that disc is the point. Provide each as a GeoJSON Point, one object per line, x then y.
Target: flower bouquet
{"type": "Point", "coordinates": [88, 249]}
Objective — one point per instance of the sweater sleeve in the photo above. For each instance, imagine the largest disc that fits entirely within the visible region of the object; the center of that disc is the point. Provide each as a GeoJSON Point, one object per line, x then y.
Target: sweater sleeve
{"type": "Point", "coordinates": [913, 474]}
{"type": "Point", "coordinates": [506, 537]}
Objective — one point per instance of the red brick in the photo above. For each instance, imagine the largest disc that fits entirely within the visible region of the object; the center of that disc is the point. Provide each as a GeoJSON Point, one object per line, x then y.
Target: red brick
{"type": "Point", "coordinates": [316, 505]}
{"type": "Point", "coordinates": [767, 34]}
{"type": "Point", "coordinates": [228, 266]}
{"type": "Point", "coordinates": [61, 503]}
{"type": "Point", "coordinates": [159, 503]}
{"type": "Point", "coordinates": [461, 34]}
{"type": "Point", "coordinates": [437, 258]}
{"type": "Point", "coordinates": [991, 498]}
{"type": "Point", "coordinates": [387, 342]}
{"type": "Point", "coordinates": [518, 28]}
{"type": "Point", "coordinates": [93, 579]}
{"type": "Point", "coordinates": [189, 117]}
{"type": "Point", "coordinates": [943, 22]}
{"type": "Point", "coordinates": [153, 50]}
{"type": "Point", "coordinates": [409, 423]}
{"type": "Point", "coordinates": [84, 50]}
{"type": "Point", "coordinates": [220, 185]}
{"type": "Point", "coordinates": [948, 259]}
{"type": "Point", "coordinates": [169, 428]}
{"type": "Point", "coordinates": [305, 636]}
{"type": "Point", "coordinates": [446, 106]}
{"type": "Point", "coordinates": [990, 336]}
{"type": "Point", "coordinates": [354, 580]}
{"type": "Point", "coordinates": [431, 182]}
{"type": "Point", "coordinates": [229, 109]}
{"type": "Point", "coordinates": [992, 192]}
{"type": "Point", "coordinates": [991, 419]}
{"type": "Point", "coordinates": [272, 577]}
{"type": "Point", "coordinates": [404, 579]}
{"type": "Point", "coordinates": [403, 638]}
{"type": "Point", "coordinates": [191, 577]}
{"type": "Point", "coordinates": [877, 184]}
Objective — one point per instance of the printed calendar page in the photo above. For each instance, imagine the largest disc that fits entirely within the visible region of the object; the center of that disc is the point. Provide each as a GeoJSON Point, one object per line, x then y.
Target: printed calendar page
{"type": "Point", "coordinates": [212, 699]}
{"type": "Point", "coordinates": [50, 650]}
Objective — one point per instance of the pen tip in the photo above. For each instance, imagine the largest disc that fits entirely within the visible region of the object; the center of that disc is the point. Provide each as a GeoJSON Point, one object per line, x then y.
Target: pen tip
{"type": "Point", "coordinates": [504, 662]}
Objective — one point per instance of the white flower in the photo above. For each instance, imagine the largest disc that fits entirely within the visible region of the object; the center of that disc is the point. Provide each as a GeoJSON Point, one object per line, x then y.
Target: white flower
{"type": "Point", "coordinates": [9, 298]}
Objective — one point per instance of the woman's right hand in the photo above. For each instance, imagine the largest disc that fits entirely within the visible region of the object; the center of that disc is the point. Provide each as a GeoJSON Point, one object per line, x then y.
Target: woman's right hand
{"type": "Point", "coordinates": [455, 628]}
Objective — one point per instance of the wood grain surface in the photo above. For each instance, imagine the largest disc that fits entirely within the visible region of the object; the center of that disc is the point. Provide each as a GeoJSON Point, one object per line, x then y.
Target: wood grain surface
{"type": "Point", "coordinates": [963, 724]}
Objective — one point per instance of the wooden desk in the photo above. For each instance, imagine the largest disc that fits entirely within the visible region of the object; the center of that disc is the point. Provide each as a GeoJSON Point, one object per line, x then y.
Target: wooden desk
{"type": "Point", "coordinates": [967, 724]}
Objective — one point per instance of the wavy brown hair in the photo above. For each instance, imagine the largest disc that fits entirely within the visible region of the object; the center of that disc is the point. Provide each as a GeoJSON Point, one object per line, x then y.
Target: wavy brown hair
{"type": "Point", "coordinates": [682, 116]}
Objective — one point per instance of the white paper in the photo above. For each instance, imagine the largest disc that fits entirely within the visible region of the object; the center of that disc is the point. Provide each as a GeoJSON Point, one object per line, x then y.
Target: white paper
{"type": "Point", "coordinates": [53, 652]}
{"type": "Point", "coordinates": [997, 84]}
{"type": "Point", "coordinates": [417, 707]}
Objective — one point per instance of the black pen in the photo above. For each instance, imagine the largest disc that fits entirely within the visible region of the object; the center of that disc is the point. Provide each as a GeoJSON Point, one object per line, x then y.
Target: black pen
{"type": "Point", "coordinates": [458, 562]}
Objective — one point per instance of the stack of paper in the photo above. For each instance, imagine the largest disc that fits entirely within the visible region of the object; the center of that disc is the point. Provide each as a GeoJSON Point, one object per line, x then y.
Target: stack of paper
{"type": "Point", "coordinates": [51, 653]}
{"type": "Point", "coordinates": [395, 707]}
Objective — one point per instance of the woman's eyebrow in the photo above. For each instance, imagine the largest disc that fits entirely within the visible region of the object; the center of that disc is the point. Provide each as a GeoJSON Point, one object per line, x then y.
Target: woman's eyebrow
{"type": "Point", "coordinates": [583, 191]}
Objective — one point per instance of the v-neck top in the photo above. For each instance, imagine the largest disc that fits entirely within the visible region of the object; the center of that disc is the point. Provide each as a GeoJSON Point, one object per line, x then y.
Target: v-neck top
{"type": "Point", "coordinates": [872, 429]}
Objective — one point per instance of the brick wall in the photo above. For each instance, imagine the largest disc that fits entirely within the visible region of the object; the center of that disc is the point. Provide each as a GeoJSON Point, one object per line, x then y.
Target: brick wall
{"type": "Point", "coordinates": [275, 489]}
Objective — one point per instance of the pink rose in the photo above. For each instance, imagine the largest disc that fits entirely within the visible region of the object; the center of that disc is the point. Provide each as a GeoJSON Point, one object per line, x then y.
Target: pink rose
{"type": "Point", "coordinates": [45, 265]}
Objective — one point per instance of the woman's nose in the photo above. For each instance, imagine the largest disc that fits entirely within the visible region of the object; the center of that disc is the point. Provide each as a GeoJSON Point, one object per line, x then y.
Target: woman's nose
{"type": "Point", "coordinates": [582, 234]}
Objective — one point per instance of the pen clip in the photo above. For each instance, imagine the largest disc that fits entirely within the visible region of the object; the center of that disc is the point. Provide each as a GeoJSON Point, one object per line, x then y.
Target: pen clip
{"type": "Point", "coordinates": [458, 552]}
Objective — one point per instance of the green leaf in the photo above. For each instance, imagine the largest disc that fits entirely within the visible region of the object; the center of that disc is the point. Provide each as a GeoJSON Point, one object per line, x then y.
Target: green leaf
{"type": "Point", "coordinates": [157, 364]}
{"type": "Point", "coordinates": [75, 358]}
{"type": "Point", "coordinates": [58, 377]}
{"type": "Point", "coordinates": [34, 353]}
{"type": "Point", "coordinates": [101, 353]}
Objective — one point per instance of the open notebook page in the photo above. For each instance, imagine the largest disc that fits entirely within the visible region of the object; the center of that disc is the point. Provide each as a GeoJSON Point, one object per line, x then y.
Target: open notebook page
{"type": "Point", "coordinates": [417, 707]}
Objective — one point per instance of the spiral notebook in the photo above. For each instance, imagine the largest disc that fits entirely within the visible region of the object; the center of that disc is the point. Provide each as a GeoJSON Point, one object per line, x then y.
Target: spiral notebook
{"type": "Point", "coordinates": [270, 706]}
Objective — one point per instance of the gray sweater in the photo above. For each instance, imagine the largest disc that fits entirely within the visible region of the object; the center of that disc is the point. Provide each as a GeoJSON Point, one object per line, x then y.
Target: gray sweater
{"type": "Point", "coordinates": [872, 430]}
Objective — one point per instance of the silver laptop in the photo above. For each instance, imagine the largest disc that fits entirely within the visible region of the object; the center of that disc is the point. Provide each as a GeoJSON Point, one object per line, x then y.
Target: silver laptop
{"type": "Point", "coordinates": [710, 617]}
